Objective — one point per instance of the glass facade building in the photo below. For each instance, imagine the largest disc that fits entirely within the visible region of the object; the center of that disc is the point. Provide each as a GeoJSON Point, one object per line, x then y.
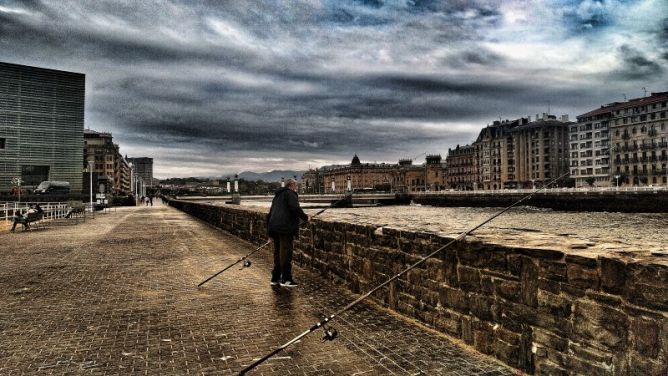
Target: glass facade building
{"type": "Point", "coordinates": [41, 126]}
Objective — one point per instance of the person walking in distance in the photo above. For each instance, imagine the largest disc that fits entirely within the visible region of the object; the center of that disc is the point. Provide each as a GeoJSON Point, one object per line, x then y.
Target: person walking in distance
{"type": "Point", "coordinates": [282, 227]}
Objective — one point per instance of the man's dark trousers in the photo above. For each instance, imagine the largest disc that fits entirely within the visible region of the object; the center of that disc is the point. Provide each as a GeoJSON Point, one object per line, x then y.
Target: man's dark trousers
{"type": "Point", "coordinates": [282, 258]}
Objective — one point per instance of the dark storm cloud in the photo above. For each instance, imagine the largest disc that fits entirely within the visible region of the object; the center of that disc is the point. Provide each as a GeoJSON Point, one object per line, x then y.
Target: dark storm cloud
{"type": "Point", "coordinates": [199, 84]}
{"type": "Point", "coordinates": [637, 65]}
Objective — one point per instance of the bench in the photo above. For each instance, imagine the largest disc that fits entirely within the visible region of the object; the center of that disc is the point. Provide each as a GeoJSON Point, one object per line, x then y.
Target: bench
{"type": "Point", "coordinates": [76, 210]}
{"type": "Point", "coordinates": [30, 218]}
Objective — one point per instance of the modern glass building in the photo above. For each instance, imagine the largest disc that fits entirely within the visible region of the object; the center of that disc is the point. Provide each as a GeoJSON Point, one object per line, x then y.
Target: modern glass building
{"type": "Point", "coordinates": [41, 126]}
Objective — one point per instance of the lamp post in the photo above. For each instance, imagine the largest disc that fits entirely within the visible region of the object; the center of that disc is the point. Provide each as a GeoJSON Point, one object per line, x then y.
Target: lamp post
{"type": "Point", "coordinates": [229, 190]}
{"type": "Point", "coordinates": [333, 185]}
{"type": "Point", "coordinates": [90, 175]}
{"type": "Point", "coordinates": [617, 179]}
{"type": "Point", "coordinates": [533, 184]}
{"type": "Point", "coordinates": [132, 179]}
{"type": "Point", "coordinates": [236, 183]}
{"type": "Point", "coordinates": [282, 182]}
{"type": "Point", "coordinates": [350, 184]}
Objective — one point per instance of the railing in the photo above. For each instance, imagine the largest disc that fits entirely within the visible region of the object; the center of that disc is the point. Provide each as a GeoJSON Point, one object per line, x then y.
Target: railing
{"type": "Point", "coordinates": [52, 210]}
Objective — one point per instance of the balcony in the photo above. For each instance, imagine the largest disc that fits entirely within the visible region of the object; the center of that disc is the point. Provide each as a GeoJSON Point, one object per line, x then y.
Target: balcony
{"type": "Point", "coordinates": [648, 146]}
{"type": "Point", "coordinates": [663, 144]}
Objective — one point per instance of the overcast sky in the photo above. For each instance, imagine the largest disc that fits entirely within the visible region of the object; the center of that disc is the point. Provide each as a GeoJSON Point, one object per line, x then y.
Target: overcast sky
{"type": "Point", "coordinates": [215, 87]}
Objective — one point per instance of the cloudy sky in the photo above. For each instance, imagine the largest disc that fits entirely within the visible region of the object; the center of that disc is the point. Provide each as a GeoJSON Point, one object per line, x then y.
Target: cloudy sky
{"type": "Point", "coordinates": [215, 87]}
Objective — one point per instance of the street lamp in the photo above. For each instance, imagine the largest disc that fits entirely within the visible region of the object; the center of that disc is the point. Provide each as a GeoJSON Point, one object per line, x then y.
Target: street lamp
{"type": "Point", "coordinates": [617, 179]}
{"type": "Point", "coordinates": [90, 174]}
{"type": "Point", "coordinates": [533, 184]}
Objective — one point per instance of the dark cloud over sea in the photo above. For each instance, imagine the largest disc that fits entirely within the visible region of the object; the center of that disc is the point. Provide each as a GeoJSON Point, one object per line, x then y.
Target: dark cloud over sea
{"type": "Point", "coordinates": [214, 87]}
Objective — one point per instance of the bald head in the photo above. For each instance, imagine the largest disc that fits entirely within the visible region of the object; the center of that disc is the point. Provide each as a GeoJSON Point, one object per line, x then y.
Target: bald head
{"type": "Point", "coordinates": [291, 184]}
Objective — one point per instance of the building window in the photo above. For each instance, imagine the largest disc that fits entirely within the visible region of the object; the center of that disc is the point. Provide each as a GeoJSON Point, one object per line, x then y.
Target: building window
{"type": "Point", "coordinates": [2, 143]}
{"type": "Point", "coordinates": [33, 175]}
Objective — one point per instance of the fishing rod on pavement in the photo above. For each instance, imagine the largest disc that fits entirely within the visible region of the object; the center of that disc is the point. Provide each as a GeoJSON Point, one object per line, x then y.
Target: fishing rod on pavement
{"type": "Point", "coordinates": [331, 333]}
{"type": "Point", "coordinates": [244, 259]}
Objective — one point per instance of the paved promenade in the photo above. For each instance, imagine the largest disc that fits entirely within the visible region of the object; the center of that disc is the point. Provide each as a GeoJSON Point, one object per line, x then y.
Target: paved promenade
{"type": "Point", "coordinates": [117, 295]}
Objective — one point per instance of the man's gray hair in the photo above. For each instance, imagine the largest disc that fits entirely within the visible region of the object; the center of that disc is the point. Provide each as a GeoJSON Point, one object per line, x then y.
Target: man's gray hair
{"type": "Point", "coordinates": [290, 181]}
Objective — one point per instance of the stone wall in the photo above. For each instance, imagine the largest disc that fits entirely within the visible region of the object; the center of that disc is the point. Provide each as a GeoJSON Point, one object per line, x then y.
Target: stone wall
{"type": "Point", "coordinates": [543, 311]}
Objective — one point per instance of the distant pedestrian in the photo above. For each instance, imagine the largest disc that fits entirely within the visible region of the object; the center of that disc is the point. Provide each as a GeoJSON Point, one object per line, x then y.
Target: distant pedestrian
{"type": "Point", "coordinates": [150, 198]}
{"type": "Point", "coordinates": [282, 227]}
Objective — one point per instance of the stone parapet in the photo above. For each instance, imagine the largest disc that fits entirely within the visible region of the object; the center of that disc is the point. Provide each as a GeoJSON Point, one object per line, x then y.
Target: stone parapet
{"type": "Point", "coordinates": [545, 311]}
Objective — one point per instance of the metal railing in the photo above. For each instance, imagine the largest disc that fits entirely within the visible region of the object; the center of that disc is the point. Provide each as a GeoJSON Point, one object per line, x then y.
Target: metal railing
{"type": "Point", "coordinates": [52, 210]}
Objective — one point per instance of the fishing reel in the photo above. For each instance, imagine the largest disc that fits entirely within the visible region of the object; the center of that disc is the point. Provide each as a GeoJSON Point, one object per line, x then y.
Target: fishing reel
{"type": "Point", "coordinates": [245, 264]}
{"type": "Point", "coordinates": [330, 334]}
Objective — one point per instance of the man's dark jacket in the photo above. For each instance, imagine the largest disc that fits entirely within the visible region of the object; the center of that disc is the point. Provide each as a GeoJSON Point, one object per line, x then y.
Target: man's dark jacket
{"type": "Point", "coordinates": [284, 215]}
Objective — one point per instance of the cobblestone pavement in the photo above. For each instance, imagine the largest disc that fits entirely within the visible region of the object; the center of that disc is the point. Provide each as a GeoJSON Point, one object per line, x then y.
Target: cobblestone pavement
{"type": "Point", "coordinates": [117, 295]}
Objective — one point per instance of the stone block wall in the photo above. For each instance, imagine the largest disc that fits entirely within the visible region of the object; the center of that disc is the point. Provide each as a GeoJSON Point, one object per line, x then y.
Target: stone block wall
{"type": "Point", "coordinates": [538, 310]}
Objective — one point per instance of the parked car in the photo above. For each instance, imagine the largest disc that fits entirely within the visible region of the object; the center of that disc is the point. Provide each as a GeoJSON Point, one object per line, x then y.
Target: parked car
{"type": "Point", "coordinates": [52, 187]}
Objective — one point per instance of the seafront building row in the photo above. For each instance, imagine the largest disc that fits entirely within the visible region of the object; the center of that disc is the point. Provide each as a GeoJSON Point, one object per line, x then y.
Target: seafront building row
{"type": "Point", "coordinates": [42, 136]}
{"type": "Point", "coordinates": [621, 143]}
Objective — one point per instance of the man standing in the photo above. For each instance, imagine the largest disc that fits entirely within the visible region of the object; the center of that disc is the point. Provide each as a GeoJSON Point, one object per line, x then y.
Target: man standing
{"type": "Point", "coordinates": [282, 227]}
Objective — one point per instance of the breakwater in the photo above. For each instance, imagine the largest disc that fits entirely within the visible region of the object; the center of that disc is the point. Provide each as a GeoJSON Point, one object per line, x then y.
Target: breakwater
{"type": "Point", "coordinates": [626, 201]}
{"type": "Point", "coordinates": [543, 309]}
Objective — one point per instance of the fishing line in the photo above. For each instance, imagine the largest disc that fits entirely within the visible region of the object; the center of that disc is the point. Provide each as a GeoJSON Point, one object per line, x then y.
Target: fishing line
{"type": "Point", "coordinates": [323, 323]}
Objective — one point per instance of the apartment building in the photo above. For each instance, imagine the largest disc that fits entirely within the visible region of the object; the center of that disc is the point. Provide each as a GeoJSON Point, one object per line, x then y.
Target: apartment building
{"type": "Point", "coordinates": [541, 150]}
{"type": "Point", "coordinates": [461, 168]}
{"type": "Point", "coordinates": [495, 155]}
{"type": "Point", "coordinates": [143, 167]}
{"type": "Point", "coordinates": [639, 139]}
{"type": "Point", "coordinates": [589, 144]}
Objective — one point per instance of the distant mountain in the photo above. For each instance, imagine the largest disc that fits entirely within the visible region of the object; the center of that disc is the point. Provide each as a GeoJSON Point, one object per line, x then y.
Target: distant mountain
{"type": "Point", "coordinates": [271, 176]}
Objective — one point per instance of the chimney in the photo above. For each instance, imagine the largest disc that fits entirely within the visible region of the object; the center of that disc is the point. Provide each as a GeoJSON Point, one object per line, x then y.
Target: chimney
{"type": "Point", "coordinates": [545, 116]}
{"type": "Point", "coordinates": [564, 118]}
{"type": "Point", "coordinates": [529, 119]}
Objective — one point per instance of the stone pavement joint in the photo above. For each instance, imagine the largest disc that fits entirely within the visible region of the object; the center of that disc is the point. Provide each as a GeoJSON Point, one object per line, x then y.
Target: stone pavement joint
{"type": "Point", "coordinates": [117, 295]}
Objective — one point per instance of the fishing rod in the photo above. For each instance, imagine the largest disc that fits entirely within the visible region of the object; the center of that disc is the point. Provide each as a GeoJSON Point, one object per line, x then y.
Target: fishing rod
{"type": "Point", "coordinates": [331, 333]}
{"type": "Point", "coordinates": [244, 259]}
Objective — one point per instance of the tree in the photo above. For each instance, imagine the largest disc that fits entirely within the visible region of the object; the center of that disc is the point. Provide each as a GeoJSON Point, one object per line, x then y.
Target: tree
{"type": "Point", "coordinates": [590, 180]}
